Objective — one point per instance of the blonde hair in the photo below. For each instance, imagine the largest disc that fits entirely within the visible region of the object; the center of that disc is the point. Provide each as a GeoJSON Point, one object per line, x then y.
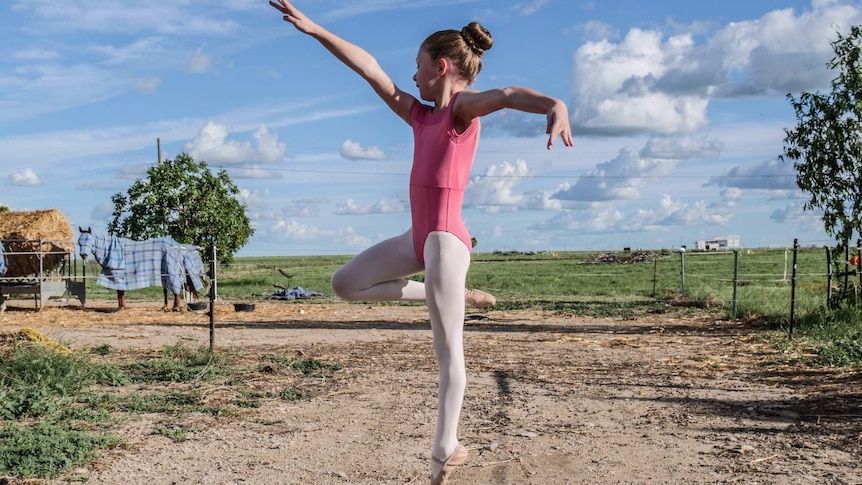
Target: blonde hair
{"type": "Point", "coordinates": [464, 48]}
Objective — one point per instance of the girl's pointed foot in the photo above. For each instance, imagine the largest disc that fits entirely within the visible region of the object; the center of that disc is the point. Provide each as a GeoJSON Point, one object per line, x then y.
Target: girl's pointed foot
{"type": "Point", "coordinates": [458, 457]}
{"type": "Point", "coordinates": [479, 299]}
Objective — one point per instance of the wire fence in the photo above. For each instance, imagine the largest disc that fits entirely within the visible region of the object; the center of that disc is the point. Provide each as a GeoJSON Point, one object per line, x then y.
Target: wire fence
{"type": "Point", "coordinates": [744, 281]}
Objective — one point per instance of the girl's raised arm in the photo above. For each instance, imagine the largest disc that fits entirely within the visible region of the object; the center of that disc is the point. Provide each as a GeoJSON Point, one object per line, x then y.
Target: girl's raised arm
{"type": "Point", "coordinates": [353, 57]}
{"type": "Point", "coordinates": [473, 104]}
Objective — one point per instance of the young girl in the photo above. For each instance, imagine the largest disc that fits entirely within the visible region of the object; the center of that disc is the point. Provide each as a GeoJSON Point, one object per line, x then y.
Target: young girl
{"type": "Point", "coordinates": [446, 134]}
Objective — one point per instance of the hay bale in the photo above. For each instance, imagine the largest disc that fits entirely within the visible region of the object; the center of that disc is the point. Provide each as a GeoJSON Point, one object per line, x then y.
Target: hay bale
{"type": "Point", "coordinates": [25, 231]}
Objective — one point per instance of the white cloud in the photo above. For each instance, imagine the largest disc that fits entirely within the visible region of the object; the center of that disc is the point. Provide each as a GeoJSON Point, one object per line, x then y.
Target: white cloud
{"type": "Point", "coordinates": [596, 30]}
{"type": "Point", "coordinates": [667, 214]}
{"type": "Point", "coordinates": [254, 172]}
{"type": "Point", "coordinates": [597, 217]}
{"type": "Point", "coordinates": [649, 83]}
{"type": "Point", "coordinates": [682, 147]}
{"type": "Point", "coordinates": [731, 197]}
{"type": "Point", "coordinates": [617, 179]}
{"type": "Point", "coordinates": [25, 178]}
{"type": "Point", "coordinates": [769, 175]}
{"type": "Point", "coordinates": [212, 146]}
{"type": "Point", "coordinates": [385, 206]}
{"type": "Point", "coordinates": [139, 52]}
{"type": "Point", "coordinates": [354, 151]}
{"type": "Point", "coordinates": [198, 62]}
{"type": "Point", "coordinates": [531, 7]}
{"type": "Point", "coordinates": [495, 189]}
{"type": "Point", "coordinates": [103, 211]}
{"type": "Point", "coordinates": [291, 230]}
{"type": "Point", "coordinates": [254, 200]}
{"type": "Point", "coordinates": [795, 213]}
{"type": "Point", "coordinates": [96, 186]}
{"type": "Point", "coordinates": [36, 89]}
{"type": "Point", "coordinates": [162, 16]}
{"type": "Point", "coordinates": [614, 86]}
{"type": "Point", "coordinates": [37, 54]}
{"type": "Point", "coordinates": [136, 171]}
{"type": "Point", "coordinates": [544, 199]}
{"type": "Point", "coordinates": [302, 207]}
{"type": "Point", "coordinates": [149, 85]}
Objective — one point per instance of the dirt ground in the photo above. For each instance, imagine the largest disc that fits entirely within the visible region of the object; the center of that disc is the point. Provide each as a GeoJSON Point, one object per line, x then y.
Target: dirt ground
{"type": "Point", "coordinates": [551, 399]}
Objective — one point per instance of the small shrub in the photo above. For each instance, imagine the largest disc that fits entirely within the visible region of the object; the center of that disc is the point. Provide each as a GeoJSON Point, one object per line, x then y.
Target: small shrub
{"type": "Point", "coordinates": [46, 449]}
{"type": "Point", "coordinates": [178, 364]}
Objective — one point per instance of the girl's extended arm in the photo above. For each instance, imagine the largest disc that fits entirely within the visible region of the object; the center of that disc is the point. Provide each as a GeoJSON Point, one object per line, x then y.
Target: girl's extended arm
{"type": "Point", "coordinates": [472, 104]}
{"type": "Point", "coordinates": [353, 56]}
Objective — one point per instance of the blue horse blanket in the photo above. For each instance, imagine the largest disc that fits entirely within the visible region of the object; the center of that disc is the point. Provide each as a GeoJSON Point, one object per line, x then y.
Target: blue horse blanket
{"type": "Point", "coordinates": [131, 265]}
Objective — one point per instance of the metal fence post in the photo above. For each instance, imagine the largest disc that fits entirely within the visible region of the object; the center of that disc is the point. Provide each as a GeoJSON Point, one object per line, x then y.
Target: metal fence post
{"type": "Point", "coordinates": [654, 276]}
{"type": "Point", "coordinates": [858, 265]}
{"type": "Point", "coordinates": [682, 271]}
{"type": "Point", "coordinates": [828, 277]}
{"type": "Point", "coordinates": [735, 278]}
{"type": "Point", "coordinates": [846, 268]}
{"type": "Point", "coordinates": [793, 286]}
{"type": "Point", "coordinates": [213, 282]}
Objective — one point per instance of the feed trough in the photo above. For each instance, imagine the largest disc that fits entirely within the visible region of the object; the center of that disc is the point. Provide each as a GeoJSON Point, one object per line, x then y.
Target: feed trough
{"type": "Point", "coordinates": [243, 307]}
{"type": "Point", "coordinates": [198, 306]}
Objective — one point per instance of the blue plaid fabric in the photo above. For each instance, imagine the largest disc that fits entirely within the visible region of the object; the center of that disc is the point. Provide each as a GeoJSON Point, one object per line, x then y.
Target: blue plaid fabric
{"type": "Point", "coordinates": [2, 261]}
{"type": "Point", "coordinates": [131, 265]}
{"type": "Point", "coordinates": [181, 261]}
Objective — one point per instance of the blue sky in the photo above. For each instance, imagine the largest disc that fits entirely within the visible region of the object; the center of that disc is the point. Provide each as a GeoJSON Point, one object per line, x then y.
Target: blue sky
{"type": "Point", "coordinates": [678, 108]}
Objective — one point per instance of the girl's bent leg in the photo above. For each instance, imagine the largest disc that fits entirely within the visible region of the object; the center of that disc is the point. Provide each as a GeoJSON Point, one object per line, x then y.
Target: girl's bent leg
{"type": "Point", "coordinates": [447, 260]}
{"type": "Point", "coordinates": [379, 272]}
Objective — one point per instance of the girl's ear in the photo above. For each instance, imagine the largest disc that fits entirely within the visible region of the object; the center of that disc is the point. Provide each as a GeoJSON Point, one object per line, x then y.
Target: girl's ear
{"type": "Point", "coordinates": [442, 66]}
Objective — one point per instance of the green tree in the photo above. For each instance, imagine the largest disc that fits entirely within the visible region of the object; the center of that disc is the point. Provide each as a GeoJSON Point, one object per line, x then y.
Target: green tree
{"type": "Point", "coordinates": [826, 146]}
{"type": "Point", "coordinates": [4, 208]}
{"type": "Point", "coordinates": [181, 198]}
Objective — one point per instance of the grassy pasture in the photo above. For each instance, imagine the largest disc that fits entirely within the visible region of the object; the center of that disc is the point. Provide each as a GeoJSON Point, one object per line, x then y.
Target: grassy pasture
{"type": "Point", "coordinates": [57, 409]}
{"type": "Point", "coordinates": [748, 284]}
{"type": "Point", "coordinates": [571, 279]}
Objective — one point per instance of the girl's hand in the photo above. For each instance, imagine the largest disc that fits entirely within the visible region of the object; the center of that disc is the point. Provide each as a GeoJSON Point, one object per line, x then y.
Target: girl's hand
{"type": "Point", "coordinates": [558, 125]}
{"type": "Point", "coordinates": [294, 16]}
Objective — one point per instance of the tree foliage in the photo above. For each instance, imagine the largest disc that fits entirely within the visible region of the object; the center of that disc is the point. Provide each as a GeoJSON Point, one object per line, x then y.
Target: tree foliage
{"type": "Point", "coordinates": [183, 199]}
{"type": "Point", "coordinates": [826, 146]}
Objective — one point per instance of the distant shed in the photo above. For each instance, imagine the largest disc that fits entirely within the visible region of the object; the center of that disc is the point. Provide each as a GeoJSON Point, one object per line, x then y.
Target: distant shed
{"type": "Point", "coordinates": [724, 243]}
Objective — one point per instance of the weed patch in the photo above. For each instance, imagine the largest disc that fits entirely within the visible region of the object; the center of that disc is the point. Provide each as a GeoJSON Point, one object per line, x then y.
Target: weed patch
{"type": "Point", "coordinates": [46, 449]}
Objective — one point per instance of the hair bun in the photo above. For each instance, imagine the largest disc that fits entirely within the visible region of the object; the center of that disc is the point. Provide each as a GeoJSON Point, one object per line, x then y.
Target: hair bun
{"type": "Point", "coordinates": [477, 37]}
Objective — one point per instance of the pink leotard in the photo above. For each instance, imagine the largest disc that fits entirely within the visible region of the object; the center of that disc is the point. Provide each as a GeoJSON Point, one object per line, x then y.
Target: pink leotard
{"type": "Point", "coordinates": [442, 160]}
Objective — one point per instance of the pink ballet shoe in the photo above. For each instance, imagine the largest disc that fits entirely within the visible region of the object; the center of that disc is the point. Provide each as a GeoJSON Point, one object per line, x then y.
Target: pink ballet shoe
{"type": "Point", "coordinates": [479, 299]}
{"type": "Point", "coordinates": [458, 457]}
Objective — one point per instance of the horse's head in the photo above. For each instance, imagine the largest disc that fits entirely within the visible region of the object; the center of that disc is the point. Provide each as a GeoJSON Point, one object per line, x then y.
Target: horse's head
{"type": "Point", "coordinates": [86, 242]}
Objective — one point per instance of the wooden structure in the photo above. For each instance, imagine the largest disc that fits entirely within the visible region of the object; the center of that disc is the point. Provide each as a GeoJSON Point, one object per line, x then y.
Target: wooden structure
{"type": "Point", "coordinates": [39, 248]}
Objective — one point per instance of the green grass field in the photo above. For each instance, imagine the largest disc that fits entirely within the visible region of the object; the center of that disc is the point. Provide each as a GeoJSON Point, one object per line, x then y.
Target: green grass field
{"type": "Point", "coordinates": [624, 284]}
{"type": "Point", "coordinates": [69, 396]}
{"type": "Point", "coordinates": [537, 279]}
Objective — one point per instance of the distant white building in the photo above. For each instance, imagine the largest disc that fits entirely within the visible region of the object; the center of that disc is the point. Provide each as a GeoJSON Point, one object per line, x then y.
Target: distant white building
{"type": "Point", "coordinates": [717, 243]}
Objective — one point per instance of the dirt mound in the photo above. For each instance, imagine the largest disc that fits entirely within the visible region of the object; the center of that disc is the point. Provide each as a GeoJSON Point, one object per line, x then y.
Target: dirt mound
{"type": "Point", "coordinates": [625, 257]}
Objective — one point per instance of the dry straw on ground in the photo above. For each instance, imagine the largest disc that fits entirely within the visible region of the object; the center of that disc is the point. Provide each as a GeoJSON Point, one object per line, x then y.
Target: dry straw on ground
{"type": "Point", "coordinates": [26, 233]}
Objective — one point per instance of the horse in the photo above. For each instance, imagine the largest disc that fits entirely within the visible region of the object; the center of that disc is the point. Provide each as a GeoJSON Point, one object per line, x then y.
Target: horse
{"type": "Point", "coordinates": [129, 265]}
